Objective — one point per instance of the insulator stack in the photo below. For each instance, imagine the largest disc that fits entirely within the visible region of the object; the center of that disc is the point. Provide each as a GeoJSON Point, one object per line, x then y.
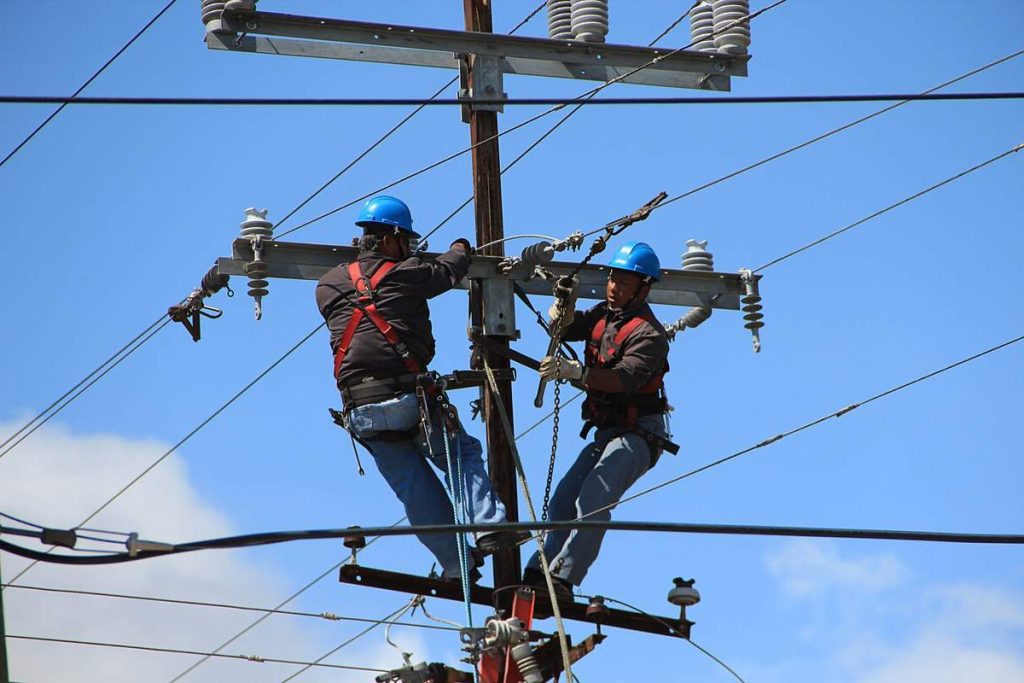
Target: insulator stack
{"type": "Point", "coordinates": [751, 307]}
{"type": "Point", "coordinates": [537, 254]}
{"type": "Point", "coordinates": [560, 19]}
{"type": "Point", "coordinates": [529, 669]}
{"type": "Point", "coordinates": [258, 230]}
{"type": "Point", "coordinates": [702, 27]}
{"type": "Point", "coordinates": [732, 36]}
{"type": "Point", "coordinates": [212, 11]}
{"type": "Point", "coordinates": [696, 257]}
{"type": "Point", "coordinates": [589, 20]}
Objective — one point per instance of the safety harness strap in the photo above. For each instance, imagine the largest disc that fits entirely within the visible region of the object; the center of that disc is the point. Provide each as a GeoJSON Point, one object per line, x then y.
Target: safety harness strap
{"type": "Point", "coordinates": [366, 288]}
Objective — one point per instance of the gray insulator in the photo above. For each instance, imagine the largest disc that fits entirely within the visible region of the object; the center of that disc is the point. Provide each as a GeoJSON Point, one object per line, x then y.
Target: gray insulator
{"type": "Point", "coordinates": [258, 230]}
{"type": "Point", "coordinates": [589, 20]}
{"type": "Point", "coordinates": [696, 257]}
{"type": "Point", "coordinates": [683, 594]}
{"type": "Point", "coordinates": [537, 254]}
{"type": "Point", "coordinates": [732, 36]}
{"type": "Point", "coordinates": [527, 663]}
{"type": "Point", "coordinates": [751, 307]}
{"type": "Point", "coordinates": [560, 19]}
{"type": "Point", "coordinates": [702, 27]}
{"type": "Point", "coordinates": [211, 11]}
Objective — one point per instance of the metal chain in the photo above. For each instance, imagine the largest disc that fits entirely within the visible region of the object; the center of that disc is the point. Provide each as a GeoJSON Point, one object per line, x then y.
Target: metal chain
{"type": "Point", "coordinates": [554, 442]}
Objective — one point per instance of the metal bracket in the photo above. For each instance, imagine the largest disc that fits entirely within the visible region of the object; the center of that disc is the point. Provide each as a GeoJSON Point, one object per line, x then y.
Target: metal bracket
{"type": "Point", "coordinates": [480, 77]}
{"type": "Point", "coordinates": [499, 308]}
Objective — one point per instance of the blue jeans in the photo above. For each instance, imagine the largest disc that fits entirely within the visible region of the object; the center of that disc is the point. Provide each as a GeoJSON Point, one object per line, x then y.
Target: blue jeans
{"type": "Point", "coordinates": [406, 467]}
{"type": "Point", "coordinates": [602, 473]}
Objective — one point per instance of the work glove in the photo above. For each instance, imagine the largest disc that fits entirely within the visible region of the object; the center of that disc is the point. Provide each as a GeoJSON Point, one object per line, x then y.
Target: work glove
{"type": "Point", "coordinates": [563, 309]}
{"type": "Point", "coordinates": [552, 368]}
{"type": "Point", "coordinates": [464, 243]}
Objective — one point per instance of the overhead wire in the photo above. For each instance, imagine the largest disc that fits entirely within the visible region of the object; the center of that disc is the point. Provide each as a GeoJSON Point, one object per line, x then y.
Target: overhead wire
{"type": "Point", "coordinates": [325, 616]}
{"type": "Point", "coordinates": [63, 401]}
{"type": "Point", "coordinates": [92, 78]}
{"type": "Point", "coordinates": [180, 651]}
{"type": "Point", "coordinates": [330, 570]}
{"type": "Point", "coordinates": [188, 436]}
{"type": "Point", "coordinates": [391, 131]}
{"type": "Point", "coordinates": [880, 212]}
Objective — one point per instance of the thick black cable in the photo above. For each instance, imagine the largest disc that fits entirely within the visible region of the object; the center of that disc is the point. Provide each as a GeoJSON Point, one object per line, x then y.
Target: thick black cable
{"type": "Point", "coordinates": [188, 436]}
{"type": "Point", "coordinates": [87, 82]}
{"type": "Point", "coordinates": [277, 537]}
{"type": "Point", "coordinates": [508, 102]}
{"type": "Point", "coordinates": [330, 571]}
{"type": "Point", "coordinates": [178, 651]}
{"type": "Point", "coordinates": [880, 212]}
{"type": "Point", "coordinates": [325, 616]}
{"type": "Point", "coordinates": [39, 420]}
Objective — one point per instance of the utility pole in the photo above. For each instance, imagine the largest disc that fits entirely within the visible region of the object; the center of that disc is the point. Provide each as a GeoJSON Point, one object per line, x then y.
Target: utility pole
{"type": "Point", "coordinates": [483, 131]}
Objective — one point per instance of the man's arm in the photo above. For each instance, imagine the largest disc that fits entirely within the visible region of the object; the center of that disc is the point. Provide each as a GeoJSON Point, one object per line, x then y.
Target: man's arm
{"type": "Point", "coordinates": [438, 276]}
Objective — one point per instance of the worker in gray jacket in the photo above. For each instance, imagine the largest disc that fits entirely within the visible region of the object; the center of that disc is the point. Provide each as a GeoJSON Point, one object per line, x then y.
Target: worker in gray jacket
{"type": "Point", "coordinates": [625, 363]}
{"type": "Point", "coordinates": [381, 336]}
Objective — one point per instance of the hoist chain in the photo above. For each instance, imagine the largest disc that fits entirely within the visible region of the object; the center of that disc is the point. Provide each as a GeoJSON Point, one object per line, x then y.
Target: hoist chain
{"type": "Point", "coordinates": [554, 445]}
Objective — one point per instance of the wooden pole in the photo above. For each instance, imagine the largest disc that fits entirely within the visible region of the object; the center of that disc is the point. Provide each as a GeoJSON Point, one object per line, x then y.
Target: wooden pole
{"type": "Point", "coordinates": [483, 125]}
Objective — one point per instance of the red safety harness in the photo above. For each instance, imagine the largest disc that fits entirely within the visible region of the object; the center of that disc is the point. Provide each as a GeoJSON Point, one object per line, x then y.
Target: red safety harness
{"type": "Point", "coordinates": [600, 408]}
{"type": "Point", "coordinates": [366, 305]}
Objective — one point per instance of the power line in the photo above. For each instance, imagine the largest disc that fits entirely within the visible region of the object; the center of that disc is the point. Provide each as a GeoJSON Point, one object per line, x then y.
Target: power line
{"type": "Point", "coordinates": [188, 436]}
{"type": "Point", "coordinates": [96, 375]}
{"type": "Point", "coordinates": [878, 213]}
{"type": "Point", "coordinates": [326, 616]}
{"type": "Point", "coordinates": [813, 423]}
{"type": "Point", "coordinates": [509, 102]}
{"type": "Point", "coordinates": [257, 622]}
{"type": "Point", "coordinates": [88, 81]}
{"type": "Point", "coordinates": [392, 130]}
{"type": "Point", "coordinates": [178, 651]}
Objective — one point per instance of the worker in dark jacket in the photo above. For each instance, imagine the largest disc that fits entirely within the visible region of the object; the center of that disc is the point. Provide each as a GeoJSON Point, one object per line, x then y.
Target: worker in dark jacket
{"type": "Point", "coordinates": [626, 359]}
{"type": "Point", "coordinates": [376, 309]}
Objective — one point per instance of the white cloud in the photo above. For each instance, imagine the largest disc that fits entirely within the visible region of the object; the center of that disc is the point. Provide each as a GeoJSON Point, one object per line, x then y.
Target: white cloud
{"type": "Point", "coordinates": [809, 569]}
{"type": "Point", "coordinates": [942, 659]}
{"type": "Point", "coordinates": [56, 478]}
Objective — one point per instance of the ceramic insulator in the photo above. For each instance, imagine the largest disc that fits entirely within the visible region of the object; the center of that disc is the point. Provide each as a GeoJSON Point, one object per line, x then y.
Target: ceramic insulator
{"type": "Point", "coordinates": [560, 19]}
{"type": "Point", "coordinates": [696, 257]}
{"type": "Point", "coordinates": [731, 37]}
{"type": "Point", "coordinates": [589, 20]}
{"type": "Point", "coordinates": [702, 27]}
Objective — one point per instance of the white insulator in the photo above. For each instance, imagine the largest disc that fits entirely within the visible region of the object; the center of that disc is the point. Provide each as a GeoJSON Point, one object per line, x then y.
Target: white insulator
{"type": "Point", "coordinates": [212, 10]}
{"type": "Point", "coordinates": [702, 27]}
{"type": "Point", "coordinates": [696, 257]}
{"type": "Point", "coordinates": [560, 19]}
{"type": "Point", "coordinates": [732, 35]}
{"type": "Point", "coordinates": [256, 224]}
{"type": "Point", "coordinates": [590, 20]}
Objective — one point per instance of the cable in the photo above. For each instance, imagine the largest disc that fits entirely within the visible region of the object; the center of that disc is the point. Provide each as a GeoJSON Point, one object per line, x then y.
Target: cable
{"type": "Point", "coordinates": [889, 208]}
{"type": "Point", "coordinates": [545, 418]}
{"type": "Point", "coordinates": [250, 658]}
{"type": "Point", "coordinates": [188, 436]}
{"type": "Point", "coordinates": [832, 132]}
{"type": "Point", "coordinates": [281, 604]}
{"type": "Point", "coordinates": [109, 364]}
{"type": "Point", "coordinates": [87, 82]}
{"type": "Point", "coordinates": [354, 638]}
{"type": "Point", "coordinates": [277, 537]}
{"type": "Point", "coordinates": [674, 24]}
{"type": "Point", "coordinates": [327, 616]}
{"type": "Point", "coordinates": [671, 629]}
{"type": "Point", "coordinates": [813, 423]}
{"type": "Point", "coordinates": [508, 102]}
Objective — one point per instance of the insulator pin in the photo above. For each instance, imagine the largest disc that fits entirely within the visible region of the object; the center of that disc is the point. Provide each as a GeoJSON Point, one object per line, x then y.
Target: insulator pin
{"type": "Point", "coordinates": [560, 19]}
{"type": "Point", "coordinates": [537, 254]}
{"type": "Point", "coordinates": [589, 20]}
{"type": "Point", "coordinates": [702, 27]}
{"type": "Point", "coordinates": [696, 257]}
{"type": "Point", "coordinates": [751, 307]}
{"type": "Point", "coordinates": [258, 230]}
{"type": "Point", "coordinates": [732, 35]}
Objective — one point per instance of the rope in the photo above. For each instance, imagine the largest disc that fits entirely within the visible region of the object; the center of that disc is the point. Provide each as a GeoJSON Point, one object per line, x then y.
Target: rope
{"type": "Point", "coordinates": [456, 493]}
{"type": "Point", "coordinates": [507, 426]}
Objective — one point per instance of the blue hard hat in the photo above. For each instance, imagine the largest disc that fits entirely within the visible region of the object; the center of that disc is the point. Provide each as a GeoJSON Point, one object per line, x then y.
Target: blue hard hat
{"type": "Point", "coordinates": [637, 257]}
{"type": "Point", "coordinates": [386, 211]}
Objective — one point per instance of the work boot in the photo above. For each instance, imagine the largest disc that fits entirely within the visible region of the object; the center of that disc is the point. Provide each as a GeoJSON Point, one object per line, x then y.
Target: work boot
{"type": "Point", "coordinates": [474, 576]}
{"type": "Point", "coordinates": [534, 578]}
{"type": "Point", "coordinates": [492, 542]}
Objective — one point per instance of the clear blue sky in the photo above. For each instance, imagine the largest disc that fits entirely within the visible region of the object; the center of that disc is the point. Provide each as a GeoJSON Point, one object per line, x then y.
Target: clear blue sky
{"type": "Point", "coordinates": [114, 213]}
